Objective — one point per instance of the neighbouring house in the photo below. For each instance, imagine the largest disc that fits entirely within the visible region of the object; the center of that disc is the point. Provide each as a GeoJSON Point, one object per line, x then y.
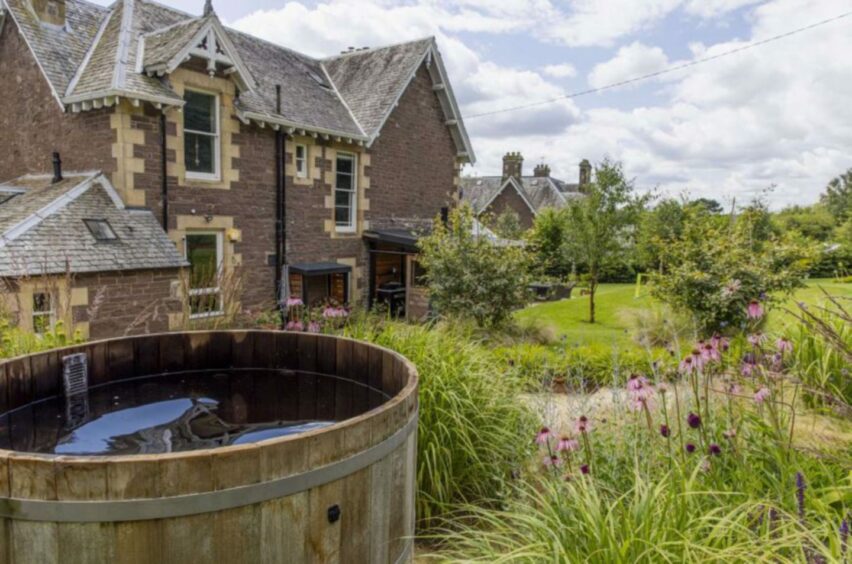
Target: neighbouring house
{"type": "Point", "coordinates": [261, 165]}
{"type": "Point", "coordinates": [525, 195]}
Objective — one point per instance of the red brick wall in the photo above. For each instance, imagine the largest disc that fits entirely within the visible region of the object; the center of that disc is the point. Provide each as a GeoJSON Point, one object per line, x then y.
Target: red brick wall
{"type": "Point", "coordinates": [127, 303]}
{"type": "Point", "coordinates": [32, 124]}
{"type": "Point", "coordinates": [510, 199]}
{"type": "Point", "coordinates": [413, 159]}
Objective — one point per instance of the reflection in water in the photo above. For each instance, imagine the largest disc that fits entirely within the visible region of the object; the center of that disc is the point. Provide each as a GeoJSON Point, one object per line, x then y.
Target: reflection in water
{"type": "Point", "coordinates": [189, 411]}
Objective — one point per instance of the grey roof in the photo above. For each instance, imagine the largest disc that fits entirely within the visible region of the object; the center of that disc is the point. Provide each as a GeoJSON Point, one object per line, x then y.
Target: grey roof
{"type": "Point", "coordinates": [42, 229]}
{"type": "Point", "coordinates": [348, 96]}
{"type": "Point", "coordinates": [539, 191]}
{"type": "Point", "coordinates": [371, 81]}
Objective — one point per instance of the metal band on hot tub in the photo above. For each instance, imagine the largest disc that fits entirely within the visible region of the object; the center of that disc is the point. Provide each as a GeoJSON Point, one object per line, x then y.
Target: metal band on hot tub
{"type": "Point", "coordinates": [194, 504]}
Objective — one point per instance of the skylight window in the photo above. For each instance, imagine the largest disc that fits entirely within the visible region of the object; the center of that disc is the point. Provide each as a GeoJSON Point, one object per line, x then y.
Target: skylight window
{"type": "Point", "coordinates": [101, 230]}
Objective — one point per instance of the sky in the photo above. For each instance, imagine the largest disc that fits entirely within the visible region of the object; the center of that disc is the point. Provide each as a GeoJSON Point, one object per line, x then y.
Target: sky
{"type": "Point", "coordinates": [775, 115]}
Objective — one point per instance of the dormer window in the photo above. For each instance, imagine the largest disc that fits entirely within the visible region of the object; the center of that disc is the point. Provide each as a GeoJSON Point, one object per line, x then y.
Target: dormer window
{"type": "Point", "coordinates": [201, 135]}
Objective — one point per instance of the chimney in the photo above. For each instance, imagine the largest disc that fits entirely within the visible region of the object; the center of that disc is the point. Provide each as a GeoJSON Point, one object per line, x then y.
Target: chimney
{"type": "Point", "coordinates": [50, 12]}
{"type": "Point", "coordinates": [57, 168]}
{"type": "Point", "coordinates": [585, 174]}
{"type": "Point", "coordinates": [513, 165]}
{"type": "Point", "coordinates": [541, 171]}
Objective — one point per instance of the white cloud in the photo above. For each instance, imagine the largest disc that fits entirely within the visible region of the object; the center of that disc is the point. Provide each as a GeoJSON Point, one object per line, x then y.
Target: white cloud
{"type": "Point", "coordinates": [564, 70]}
{"type": "Point", "coordinates": [716, 8]}
{"type": "Point", "coordinates": [592, 22]}
{"type": "Point", "coordinates": [631, 61]}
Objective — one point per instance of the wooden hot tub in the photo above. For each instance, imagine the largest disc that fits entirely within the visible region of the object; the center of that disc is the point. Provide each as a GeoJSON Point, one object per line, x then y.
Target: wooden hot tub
{"type": "Point", "coordinates": [341, 493]}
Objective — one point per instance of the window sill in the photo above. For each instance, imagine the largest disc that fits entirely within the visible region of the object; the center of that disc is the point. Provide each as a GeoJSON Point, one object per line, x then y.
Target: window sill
{"type": "Point", "coordinates": [208, 315]}
{"type": "Point", "coordinates": [201, 177]}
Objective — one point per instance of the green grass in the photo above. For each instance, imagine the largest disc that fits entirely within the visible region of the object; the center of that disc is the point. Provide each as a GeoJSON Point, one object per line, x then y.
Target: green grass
{"type": "Point", "coordinates": [614, 301]}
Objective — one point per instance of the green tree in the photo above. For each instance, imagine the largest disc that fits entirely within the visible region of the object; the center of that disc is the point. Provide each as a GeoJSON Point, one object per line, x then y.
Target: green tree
{"type": "Point", "coordinates": [658, 227]}
{"type": "Point", "coordinates": [838, 196]}
{"type": "Point", "coordinates": [546, 242]}
{"type": "Point", "coordinates": [709, 205]}
{"type": "Point", "coordinates": [507, 225]}
{"type": "Point", "coordinates": [470, 276]}
{"type": "Point", "coordinates": [600, 227]}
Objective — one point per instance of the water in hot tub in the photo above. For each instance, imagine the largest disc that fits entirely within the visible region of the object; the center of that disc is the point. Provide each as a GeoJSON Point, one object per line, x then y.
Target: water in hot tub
{"type": "Point", "coordinates": [181, 412]}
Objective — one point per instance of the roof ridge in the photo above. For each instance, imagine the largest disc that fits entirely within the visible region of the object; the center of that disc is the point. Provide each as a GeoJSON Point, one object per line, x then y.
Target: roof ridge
{"type": "Point", "coordinates": [124, 37]}
{"type": "Point", "coordinates": [342, 99]}
{"type": "Point", "coordinates": [374, 49]}
{"type": "Point", "coordinates": [87, 58]}
{"type": "Point", "coordinates": [170, 26]}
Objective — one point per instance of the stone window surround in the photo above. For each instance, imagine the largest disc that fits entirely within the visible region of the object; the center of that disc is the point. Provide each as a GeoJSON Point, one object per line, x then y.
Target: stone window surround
{"type": "Point", "coordinates": [362, 185]}
{"type": "Point", "coordinates": [64, 300]}
{"type": "Point", "coordinates": [314, 153]}
{"type": "Point", "coordinates": [216, 175]}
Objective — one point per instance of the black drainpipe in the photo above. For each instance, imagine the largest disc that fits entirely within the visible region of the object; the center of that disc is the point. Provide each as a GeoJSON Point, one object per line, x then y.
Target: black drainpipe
{"type": "Point", "coordinates": [164, 188]}
{"type": "Point", "coordinates": [280, 205]}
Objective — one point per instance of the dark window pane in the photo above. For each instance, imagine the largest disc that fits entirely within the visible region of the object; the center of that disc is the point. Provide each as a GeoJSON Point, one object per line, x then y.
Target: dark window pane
{"type": "Point", "coordinates": [344, 181]}
{"type": "Point", "coordinates": [41, 303]}
{"type": "Point", "coordinates": [199, 154]}
{"type": "Point", "coordinates": [344, 164]}
{"type": "Point", "coordinates": [199, 113]}
{"type": "Point", "coordinates": [100, 229]}
{"type": "Point", "coordinates": [205, 303]}
{"type": "Point", "coordinates": [202, 254]}
{"type": "Point", "coordinates": [341, 216]}
{"type": "Point", "coordinates": [342, 198]}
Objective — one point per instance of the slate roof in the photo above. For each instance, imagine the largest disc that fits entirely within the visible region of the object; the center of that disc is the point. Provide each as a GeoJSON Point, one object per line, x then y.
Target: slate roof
{"type": "Point", "coordinates": [539, 191]}
{"type": "Point", "coordinates": [348, 96]}
{"type": "Point", "coordinates": [42, 229]}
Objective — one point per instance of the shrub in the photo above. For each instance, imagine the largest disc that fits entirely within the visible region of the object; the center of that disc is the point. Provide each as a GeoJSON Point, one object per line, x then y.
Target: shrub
{"type": "Point", "coordinates": [469, 414]}
{"type": "Point", "coordinates": [17, 342]}
{"type": "Point", "coordinates": [470, 276]}
{"type": "Point", "coordinates": [716, 269]}
{"type": "Point", "coordinates": [659, 327]}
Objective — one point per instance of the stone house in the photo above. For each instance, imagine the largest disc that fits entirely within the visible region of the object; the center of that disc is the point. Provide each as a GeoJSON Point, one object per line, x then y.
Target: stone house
{"type": "Point", "coordinates": [525, 195]}
{"type": "Point", "coordinates": [260, 164]}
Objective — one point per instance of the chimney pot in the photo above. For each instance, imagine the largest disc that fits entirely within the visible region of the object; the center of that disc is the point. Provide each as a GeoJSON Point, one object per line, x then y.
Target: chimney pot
{"type": "Point", "coordinates": [542, 171]}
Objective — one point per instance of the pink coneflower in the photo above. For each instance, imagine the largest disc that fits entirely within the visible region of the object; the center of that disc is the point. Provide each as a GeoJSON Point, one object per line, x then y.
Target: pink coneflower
{"type": "Point", "coordinates": [636, 382]}
{"type": "Point", "coordinates": [697, 359]}
{"type": "Point", "coordinates": [552, 461]}
{"type": "Point", "coordinates": [687, 366]}
{"type": "Point", "coordinates": [784, 345]}
{"type": "Point", "coordinates": [294, 326]}
{"type": "Point", "coordinates": [640, 391]}
{"type": "Point", "coordinates": [756, 339]}
{"type": "Point", "coordinates": [755, 310]}
{"type": "Point", "coordinates": [748, 368]}
{"type": "Point", "coordinates": [543, 436]}
{"type": "Point", "coordinates": [567, 444]}
{"type": "Point", "coordinates": [710, 353]}
{"type": "Point", "coordinates": [693, 420]}
{"type": "Point", "coordinates": [731, 288]}
{"type": "Point", "coordinates": [314, 327]}
{"type": "Point", "coordinates": [294, 302]}
{"type": "Point", "coordinates": [761, 395]}
{"type": "Point", "coordinates": [582, 424]}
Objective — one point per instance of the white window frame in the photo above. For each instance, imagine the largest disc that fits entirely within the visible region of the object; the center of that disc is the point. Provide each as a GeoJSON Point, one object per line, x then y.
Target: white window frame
{"type": "Point", "coordinates": [217, 141]}
{"type": "Point", "coordinates": [220, 258]}
{"type": "Point", "coordinates": [301, 164]}
{"type": "Point", "coordinates": [352, 227]}
{"type": "Point", "coordinates": [50, 314]}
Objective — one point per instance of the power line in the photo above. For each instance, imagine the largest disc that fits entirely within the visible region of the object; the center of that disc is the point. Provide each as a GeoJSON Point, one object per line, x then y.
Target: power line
{"type": "Point", "coordinates": [663, 71]}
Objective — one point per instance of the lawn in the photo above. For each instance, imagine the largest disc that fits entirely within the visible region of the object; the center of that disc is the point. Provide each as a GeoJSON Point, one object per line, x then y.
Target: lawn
{"type": "Point", "coordinates": [614, 301]}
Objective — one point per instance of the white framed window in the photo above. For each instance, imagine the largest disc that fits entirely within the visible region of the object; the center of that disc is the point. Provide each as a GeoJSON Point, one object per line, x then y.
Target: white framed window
{"type": "Point", "coordinates": [301, 161]}
{"type": "Point", "coordinates": [345, 192]}
{"type": "Point", "coordinates": [204, 254]}
{"type": "Point", "coordinates": [43, 313]}
{"type": "Point", "coordinates": [202, 147]}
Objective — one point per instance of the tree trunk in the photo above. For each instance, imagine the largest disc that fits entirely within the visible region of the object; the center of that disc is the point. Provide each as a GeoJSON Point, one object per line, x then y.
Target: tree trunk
{"type": "Point", "coordinates": [593, 287]}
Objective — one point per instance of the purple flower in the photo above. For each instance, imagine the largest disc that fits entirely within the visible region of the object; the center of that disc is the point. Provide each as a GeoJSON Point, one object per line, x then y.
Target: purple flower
{"type": "Point", "coordinates": [756, 339]}
{"type": "Point", "coordinates": [294, 302]}
{"type": "Point", "coordinates": [585, 469]}
{"type": "Point", "coordinates": [720, 343]}
{"type": "Point", "coordinates": [567, 444]}
{"type": "Point", "coordinates": [755, 310]}
{"type": "Point", "coordinates": [552, 461]}
{"type": "Point", "coordinates": [582, 424]}
{"type": "Point", "coordinates": [710, 353]}
{"type": "Point", "coordinates": [687, 366]}
{"type": "Point", "coordinates": [543, 436]}
{"type": "Point", "coordinates": [800, 494]}
{"type": "Point", "coordinates": [697, 359]}
{"type": "Point", "coordinates": [314, 327]}
{"type": "Point", "coordinates": [761, 395]}
{"type": "Point", "coordinates": [715, 450]}
{"type": "Point", "coordinates": [294, 326]}
{"type": "Point", "coordinates": [693, 420]}
{"type": "Point", "coordinates": [665, 431]}
{"type": "Point", "coordinates": [636, 383]}
{"type": "Point", "coordinates": [784, 345]}
{"type": "Point", "coordinates": [690, 448]}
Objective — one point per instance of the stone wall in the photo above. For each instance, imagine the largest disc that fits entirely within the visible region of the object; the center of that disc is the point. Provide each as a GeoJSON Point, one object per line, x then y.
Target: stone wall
{"type": "Point", "coordinates": [510, 199]}
{"type": "Point", "coordinates": [33, 125]}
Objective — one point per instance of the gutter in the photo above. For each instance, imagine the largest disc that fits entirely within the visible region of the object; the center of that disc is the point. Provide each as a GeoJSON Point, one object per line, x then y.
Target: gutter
{"type": "Point", "coordinates": [280, 207]}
